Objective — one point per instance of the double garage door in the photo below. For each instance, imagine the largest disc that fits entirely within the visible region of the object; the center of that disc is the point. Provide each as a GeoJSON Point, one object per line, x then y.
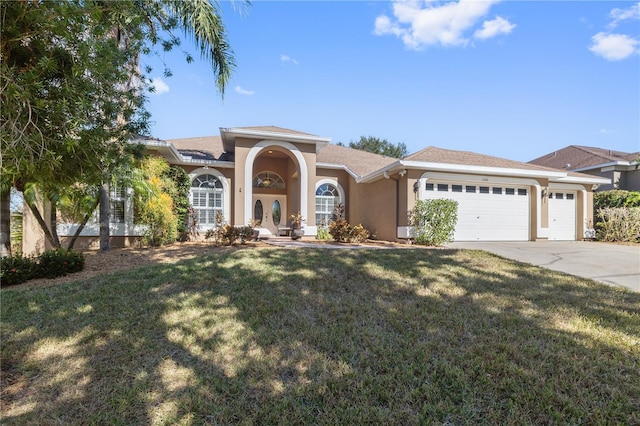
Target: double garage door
{"type": "Point", "coordinates": [497, 212]}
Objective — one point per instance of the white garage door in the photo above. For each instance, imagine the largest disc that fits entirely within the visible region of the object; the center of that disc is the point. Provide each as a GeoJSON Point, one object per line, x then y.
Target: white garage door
{"type": "Point", "coordinates": [562, 216]}
{"type": "Point", "coordinates": [486, 212]}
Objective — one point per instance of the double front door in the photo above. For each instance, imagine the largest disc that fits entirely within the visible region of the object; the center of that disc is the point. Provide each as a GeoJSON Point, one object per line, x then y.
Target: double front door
{"type": "Point", "coordinates": [269, 211]}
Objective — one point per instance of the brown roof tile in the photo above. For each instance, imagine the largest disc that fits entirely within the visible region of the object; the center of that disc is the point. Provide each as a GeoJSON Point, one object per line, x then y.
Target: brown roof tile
{"type": "Point", "coordinates": [576, 157]}
{"type": "Point", "coordinates": [274, 129]}
{"type": "Point", "coordinates": [433, 154]}
{"type": "Point", "coordinates": [201, 148]}
{"type": "Point", "coordinates": [359, 162]}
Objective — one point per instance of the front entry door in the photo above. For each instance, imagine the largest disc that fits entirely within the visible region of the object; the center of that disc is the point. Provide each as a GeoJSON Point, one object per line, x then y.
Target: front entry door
{"type": "Point", "coordinates": [270, 210]}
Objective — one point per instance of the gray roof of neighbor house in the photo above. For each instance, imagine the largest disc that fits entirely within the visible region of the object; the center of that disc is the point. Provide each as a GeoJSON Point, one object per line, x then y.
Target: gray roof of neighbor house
{"type": "Point", "coordinates": [574, 157]}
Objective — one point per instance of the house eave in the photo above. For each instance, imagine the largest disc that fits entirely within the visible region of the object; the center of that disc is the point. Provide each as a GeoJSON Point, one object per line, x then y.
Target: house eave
{"type": "Point", "coordinates": [229, 135]}
{"type": "Point", "coordinates": [613, 165]}
{"type": "Point", "coordinates": [342, 167]}
{"type": "Point", "coordinates": [459, 168]}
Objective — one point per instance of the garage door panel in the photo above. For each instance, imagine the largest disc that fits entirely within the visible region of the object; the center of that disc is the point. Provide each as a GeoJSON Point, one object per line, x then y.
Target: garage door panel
{"type": "Point", "coordinates": [498, 215]}
{"type": "Point", "coordinates": [562, 216]}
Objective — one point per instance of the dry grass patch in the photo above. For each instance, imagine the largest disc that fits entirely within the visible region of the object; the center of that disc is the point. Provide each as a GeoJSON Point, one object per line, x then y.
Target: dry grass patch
{"type": "Point", "coordinates": [270, 336]}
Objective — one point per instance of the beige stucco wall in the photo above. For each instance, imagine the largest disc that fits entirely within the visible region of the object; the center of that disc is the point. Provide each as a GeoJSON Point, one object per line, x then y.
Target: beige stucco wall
{"type": "Point", "coordinates": [374, 205]}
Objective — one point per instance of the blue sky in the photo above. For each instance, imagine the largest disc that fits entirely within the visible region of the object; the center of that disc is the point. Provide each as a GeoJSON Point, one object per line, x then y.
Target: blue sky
{"type": "Point", "coordinates": [514, 79]}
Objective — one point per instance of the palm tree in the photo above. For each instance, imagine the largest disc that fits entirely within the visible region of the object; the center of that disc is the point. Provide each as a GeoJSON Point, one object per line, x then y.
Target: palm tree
{"type": "Point", "coordinates": [139, 26]}
{"type": "Point", "coordinates": [200, 21]}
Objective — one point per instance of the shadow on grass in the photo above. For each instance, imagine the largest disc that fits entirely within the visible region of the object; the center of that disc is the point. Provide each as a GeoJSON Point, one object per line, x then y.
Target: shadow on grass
{"type": "Point", "coordinates": [268, 336]}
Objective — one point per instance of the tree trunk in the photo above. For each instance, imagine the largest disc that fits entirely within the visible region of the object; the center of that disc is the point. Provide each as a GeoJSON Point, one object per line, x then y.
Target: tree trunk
{"type": "Point", "coordinates": [83, 224]}
{"type": "Point", "coordinates": [5, 222]}
{"type": "Point", "coordinates": [42, 223]}
{"type": "Point", "coordinates": [53, 224]}
{"type": "Point", "coordinates": [104, 217]}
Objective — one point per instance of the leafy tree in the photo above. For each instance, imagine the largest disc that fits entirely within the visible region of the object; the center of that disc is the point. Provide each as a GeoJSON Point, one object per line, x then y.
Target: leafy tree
{"type": "Point", "coordinates": [71, 91]}
{"type": "Point", "coordinates": [379, 146]}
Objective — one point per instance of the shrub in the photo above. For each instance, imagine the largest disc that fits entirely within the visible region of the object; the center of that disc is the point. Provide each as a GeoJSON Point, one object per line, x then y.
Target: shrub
{"type": "Point", "coordinates": [618, 224]}
{"type": "Point", "coordinates": [434, 221]}
{"type": "Point", "coordinates": [616, 198]}
{"type": "Point", "coordinates": [342, 232]}
{"type": "Point", "coordinates": [17, 269]}
{"type": "Point", "coordinates": [614, 213]}
{"type": "Point", "coordinates": [323, 234]}
{"type": "Point", "coordinates": [50, 264]}
{"type": "Point", "coordinates": [55, 263]}
{"type": "Point", "coordinates": [245, 233]}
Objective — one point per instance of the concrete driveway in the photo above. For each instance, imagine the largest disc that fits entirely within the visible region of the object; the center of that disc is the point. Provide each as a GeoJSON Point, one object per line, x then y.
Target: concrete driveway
{"type": "Point", "coordinates": [607, 263]}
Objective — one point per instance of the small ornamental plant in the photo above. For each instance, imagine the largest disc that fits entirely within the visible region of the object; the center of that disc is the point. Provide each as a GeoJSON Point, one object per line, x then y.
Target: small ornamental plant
{"type": "Point", "coordinates": [296, 220]}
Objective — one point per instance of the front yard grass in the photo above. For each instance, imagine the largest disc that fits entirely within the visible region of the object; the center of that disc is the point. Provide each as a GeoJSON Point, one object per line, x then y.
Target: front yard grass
{"type": "Point", "coordinates": [314, 336]}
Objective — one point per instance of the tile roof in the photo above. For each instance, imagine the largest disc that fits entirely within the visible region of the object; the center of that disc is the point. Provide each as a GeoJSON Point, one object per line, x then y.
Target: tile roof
{"type": "Point", "coordinates": [577, 157]}
{"type": "Point", "coordinates": [274, 129]}
{"type": "Point", "coordinates": [359, 162]}
{"type": "Point", "coordinates": [201, 148]}
{"type": "Point", "coordinates": [433, 154]}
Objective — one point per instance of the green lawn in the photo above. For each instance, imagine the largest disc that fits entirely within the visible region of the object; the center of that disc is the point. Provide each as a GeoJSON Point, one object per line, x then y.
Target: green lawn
{"type": "Point", "coordinates": [277, 336]}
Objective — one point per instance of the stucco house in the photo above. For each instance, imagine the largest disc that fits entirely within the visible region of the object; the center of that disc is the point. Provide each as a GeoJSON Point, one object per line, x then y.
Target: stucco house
{"type": "Point", "coordinates": [266, 174]}
{"type": "Point", "coordinates": [620, 167]}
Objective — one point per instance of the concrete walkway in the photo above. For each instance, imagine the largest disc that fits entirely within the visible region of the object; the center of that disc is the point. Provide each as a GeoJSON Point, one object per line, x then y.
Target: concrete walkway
{"type": "Point", "coordinates": [608, 263]}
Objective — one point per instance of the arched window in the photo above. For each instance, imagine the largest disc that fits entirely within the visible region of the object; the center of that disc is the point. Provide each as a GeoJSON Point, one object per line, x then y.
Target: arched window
{"type": "Point", "coordinates": [206, 191]}
{"type": "Point", "coordinates": [268, 180]}
{"type": "Point", "coordinates": [327, 198]}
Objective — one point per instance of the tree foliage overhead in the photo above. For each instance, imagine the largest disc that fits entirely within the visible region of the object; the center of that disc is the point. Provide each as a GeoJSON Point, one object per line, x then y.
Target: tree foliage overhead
{"type": "Point", "coordinates": [379, 146]}
{"type": "Point", "coordinates": [72, 90]}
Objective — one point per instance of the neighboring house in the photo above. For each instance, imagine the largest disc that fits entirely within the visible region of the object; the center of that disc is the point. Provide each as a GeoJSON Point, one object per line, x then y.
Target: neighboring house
{"type": "Point", "coordinates": [263, 175]}
{"type": "Point", "coordinates": [620, 167]}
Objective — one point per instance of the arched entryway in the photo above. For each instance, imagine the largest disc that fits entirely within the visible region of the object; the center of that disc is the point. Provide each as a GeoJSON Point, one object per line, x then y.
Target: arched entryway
{"type": "Point", "coordinates": [276, 182]}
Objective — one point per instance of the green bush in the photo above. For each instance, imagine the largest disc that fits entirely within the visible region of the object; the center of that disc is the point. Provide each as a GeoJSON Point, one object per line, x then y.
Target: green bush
{"type": "Point", "coordinates": [616, 198]}
{"type": "Point", "coordinates": [434, 221]}
{"type": "Point", "coordinates": [323, 234]}
{"type": "Point", "coordinates": [17, 269]}
{"type": "Point", "coordinates": [50, 264]}
{"type": "Point", "coordinates": [618, 224]}
{"type": "Point", "coordinates": [55, 263]}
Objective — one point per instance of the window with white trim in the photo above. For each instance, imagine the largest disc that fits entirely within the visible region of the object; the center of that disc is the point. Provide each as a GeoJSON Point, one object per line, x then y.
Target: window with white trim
{"type": "Point", "coordinates": [207, 192]}
{"type": "Point", "coordinates": [327, 198]}
{"type": "Point", "coordinates": [268, 180]}
{"type": "Point", "coordinates": [117, 198]}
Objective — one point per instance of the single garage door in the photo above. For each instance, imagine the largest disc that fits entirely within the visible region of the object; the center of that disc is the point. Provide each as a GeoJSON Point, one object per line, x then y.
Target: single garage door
{"type": "Point", "coordinates": [486, 212]}
{"type": "Point", "coordinates": [562, 216]}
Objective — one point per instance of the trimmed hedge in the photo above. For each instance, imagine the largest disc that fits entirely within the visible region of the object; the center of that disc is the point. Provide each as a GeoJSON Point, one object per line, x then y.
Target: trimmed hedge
{"type": "Point", "coordinates": [50, 264]}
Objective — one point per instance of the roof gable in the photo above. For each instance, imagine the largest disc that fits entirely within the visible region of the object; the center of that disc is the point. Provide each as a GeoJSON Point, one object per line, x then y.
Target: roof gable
{"type": "Point", "coordinates": [575, 157]}
{"type": "Point", "coordinates": [357, 161]}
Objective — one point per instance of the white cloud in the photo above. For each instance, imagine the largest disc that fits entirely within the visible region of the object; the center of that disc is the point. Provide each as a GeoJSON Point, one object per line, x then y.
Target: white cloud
{"type": "Point", "coordinates": [425, 23]}
{"type": "Point", "coordinates": [285, 58]}
{"type": "Point", "coordinates": [159, 86]}
{"type": "Point", "coordinates": [604, 132]}
{"type": "Point", "coordinates": [614, 47]}
{"type": "Point", "coordinates": [619, 15]}
{"type": "Point", "coordinates": [242, 91]}
{"type": "Point", "coordinates": [493, 28]}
